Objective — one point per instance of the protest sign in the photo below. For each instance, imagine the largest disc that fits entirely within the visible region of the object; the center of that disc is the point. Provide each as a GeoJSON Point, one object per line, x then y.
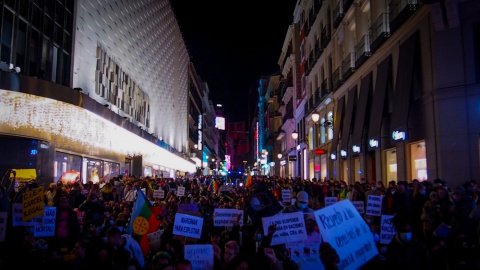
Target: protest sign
{"type": "Point", "coordinates": [387, 229]}
{"type": "Point", "coordinates": [360, 206]}
{"type": "Point", "coordinates": [306, 256]}
{"type": "Point", "coordinates": [188, 207]}
{"type": "Point", "coordinates": [226, 217]}
{"type": "Point", "coordinates": [342, 226]}
{"type": "Point", "coordinates": [286, 195]}
{"type": "Point", "coordinates": [181, 191]}
{"type": "Point", "coordinates": [158, 194]}
{"type": "Point", "coordinates": [201, 256]}
{"type": "Point", "coordinates": [3, 225]}
{"type": "Point", "coordinates": [330, 200]}
{"type": "Point", "coordinates": [17, 217]}
{"type": "Point", "coordinates": [33, 203]}
{"type": "Point", "coordinates": [374, 205]}
{"type": "Point", "coordinates": [290, 227]}
{"type": "Point", "coordinates": [154, 239]}
{"type": "Point", "coordinates": [48, 227]}
{"type": "Point", "coordinates": [187, 225]}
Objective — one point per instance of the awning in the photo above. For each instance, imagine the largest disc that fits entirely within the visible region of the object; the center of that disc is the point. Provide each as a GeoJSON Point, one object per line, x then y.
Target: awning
{"type": "Point", "coordinates": [361, 113]}
{"type": "Point", "coordinates": [403, 88]}
{"type": "Point", "coordinates": [337, 123]}
{"type": "Point", "coordinates": [382, 83]}
{"type": "Point", "coordinates": [347, 123]}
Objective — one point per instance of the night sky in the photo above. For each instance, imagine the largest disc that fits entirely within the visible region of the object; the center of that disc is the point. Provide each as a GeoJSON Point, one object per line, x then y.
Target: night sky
{"type": "Point", "coordinates": [232, 44]}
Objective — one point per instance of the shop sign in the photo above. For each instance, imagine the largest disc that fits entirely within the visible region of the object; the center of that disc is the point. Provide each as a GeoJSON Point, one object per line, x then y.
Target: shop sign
{"type": "Point", "coordinates": [333, 156]}
{"type": "Point", "coordinates": [373, 143]}
{"type": "Point", "coordinates": [292, 158]}
{"type": "Point", "coordinates": [399, 135]}
{"type": "Point", "coordinates": [356, 149]}
{"type": "Point", "coordinates": [343, 153]}
{"type": "Point", "coordinates": [319, 151]}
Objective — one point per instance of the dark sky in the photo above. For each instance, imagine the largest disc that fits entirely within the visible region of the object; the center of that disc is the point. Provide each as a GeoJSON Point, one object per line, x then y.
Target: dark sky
{"type": "Point", "coordinates": [232, 44]}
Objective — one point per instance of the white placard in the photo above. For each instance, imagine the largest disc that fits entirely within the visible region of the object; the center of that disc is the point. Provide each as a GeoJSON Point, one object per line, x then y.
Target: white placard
{"type": "Point", "coordinates": [342, 226]}
{"type": "Point", "coordinates": [360, 206]}
{"type": "Point", "coordinates": [17, 218]}
{"type": "Point", "coordinates": [374, 205]}
{"type": "Point", "coordinates": [223, 217]}
{"type": "Point", "coordinates": [201, 256]}
{"type": "Point", "coordinates": [188, 225]}
{"type": "Point", "coordinates": [387, 229]}
{"type": "Point", "coordinates": [3, 225]}
{"type": "Point", "coordinates": [290, 227]}
{"type": "Point", "coordinates": [181, 191]}
{"type": "Point", "coordinates": [158, 194]}
{"type": "Point", "coordinates": [154, 239]}
{"type": "Point", "coordinates": [306, 256]}
{"type": "Point", "coordinates": [330, 200]}
{"type": "Point", "coordinates": [48, 227]}
{"type": "Point", "coordinates": [286, 195]}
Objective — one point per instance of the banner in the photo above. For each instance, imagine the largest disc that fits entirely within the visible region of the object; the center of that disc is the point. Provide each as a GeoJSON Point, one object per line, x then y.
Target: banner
{"type": "Point", "coordinates": [360, 206]}
{"type": "Point", "coordinates": [387, 229]}
{"type": "Point", "coordinates": [48, 227]}
{"type": "Point", "coordinates": [201, 256]}
{"type": "Point", "coordinates": [158, 194]}
{"type": "Point", "coordinates": [290, 227]}
{"type": "Point", "coordinates": [223, 217]}
{"type": "Point", "coordinates": [33, 203]}
{"type": "Point", "coordinates": [187, 225]}
{"type": "Point", "coordinates": [17, 217]}
{"type": "Point", "coordinates": [181, 191]}
{"type": "Point", "coordinates": [330, 200]}
{"type": "Point", "coordinates": [286, 195]}
{"type": "Point", "coordinates": [374, 205]}
{"type": "Point", "coordinates": [342, 226]}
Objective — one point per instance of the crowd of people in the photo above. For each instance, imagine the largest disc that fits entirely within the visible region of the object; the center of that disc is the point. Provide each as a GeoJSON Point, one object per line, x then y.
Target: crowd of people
{"type": "Point", "coordinates": [437, 226]}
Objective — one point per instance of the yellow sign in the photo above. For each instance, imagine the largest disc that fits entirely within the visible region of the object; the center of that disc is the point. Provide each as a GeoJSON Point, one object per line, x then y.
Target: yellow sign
{"type": "Point", "coordinates": [33, 203]}
{"type": "Point", "coordinates": [24, 175]}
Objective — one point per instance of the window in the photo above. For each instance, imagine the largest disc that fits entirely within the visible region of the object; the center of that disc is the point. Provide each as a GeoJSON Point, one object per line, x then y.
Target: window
{"type": "Point", "coordinates": [7, 32]}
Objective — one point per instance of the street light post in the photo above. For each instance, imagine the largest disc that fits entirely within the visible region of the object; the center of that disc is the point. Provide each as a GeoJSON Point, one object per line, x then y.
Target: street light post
{"type": "Point", "coordinates": [315, 118]}
{"type": "Point", "coordinates": [279, 156]}
{"type": "Point", "coordinates": [295, 137]}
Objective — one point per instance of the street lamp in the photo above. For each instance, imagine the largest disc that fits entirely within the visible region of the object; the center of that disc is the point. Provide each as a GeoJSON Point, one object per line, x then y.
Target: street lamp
{"type": "Point", "coordinates": [295, 135]}
{"type": "Point", "coordinates": [315, 118]}
{"type": "Point", "coordinates": [279, 156]}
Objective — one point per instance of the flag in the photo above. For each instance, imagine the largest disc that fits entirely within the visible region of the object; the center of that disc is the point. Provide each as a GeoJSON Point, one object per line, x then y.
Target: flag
{"type": "Point", "coordinates": [213, 187]}
{"type": "Point", "coordinates": [248, 180]}
{"type": "Point", "coordinates": [143, 221]}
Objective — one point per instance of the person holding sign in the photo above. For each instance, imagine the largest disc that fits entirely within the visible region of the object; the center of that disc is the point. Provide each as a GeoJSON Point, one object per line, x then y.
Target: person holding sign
{"type": "Point", "coordinates": [300, 205]}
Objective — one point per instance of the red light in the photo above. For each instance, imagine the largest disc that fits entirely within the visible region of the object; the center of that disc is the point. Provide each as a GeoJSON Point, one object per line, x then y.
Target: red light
{"type": "Point", "coordinates": [319, 151]}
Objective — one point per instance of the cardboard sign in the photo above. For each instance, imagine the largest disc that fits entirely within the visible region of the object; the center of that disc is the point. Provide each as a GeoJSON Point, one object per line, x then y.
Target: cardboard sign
{"type": "Point", "coordinates": [154, 239]}
{"type": "Point", "coordinates": [158, 194]}
{"type": "Point", "coordinates": [3, 225]}
{"type": "Point", "coordinates": [187, 225]}
{"type": "Point", "coordinates": [330, 200]}
{"type": "Point", "coordinates": [387, 229]}
{"type": "Point", "coordinates": [374, 205]}
{"type": "Point", "coordinates": [223, 217]}
{"type": "Point", "coordinates": [33, 203]}
{"type": "Point", "coordinates": [306, 256]}
{"type": "Point", "coordinates": [360, 206]}
{"type": "Point", "coordinates": [17, 217]}
{"type": "Point", "coordinates": [290, 227]}
{"type": "Point", "coordinates": [188, 207]}
{"type": "Point", "coordinates": [286, 195]}
{"type": "Point", "coordinates": [181, 191]}
{"type": "Point", "coordinates": [48, 227]}
{"type": "Point", "coordinates": [342, 226]}
{"type": "Point", "coordinates": [201, 256]}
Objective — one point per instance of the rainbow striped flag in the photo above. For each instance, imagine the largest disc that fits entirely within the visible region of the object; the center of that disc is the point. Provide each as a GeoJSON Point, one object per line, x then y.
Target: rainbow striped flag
{"type": "Point", "coordinates": [248, 180]}
{"type": "Point", "coordinates": [213, 187]}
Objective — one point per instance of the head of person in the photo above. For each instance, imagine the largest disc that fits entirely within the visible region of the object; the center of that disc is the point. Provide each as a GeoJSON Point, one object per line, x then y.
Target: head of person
{"type": "Point", "coordinates": [161, 260]}
{"type": "Point", "coordinates": [401, 186]}
{"type": "Point", "coordinates": [281, 252]}
{"type": "Point", "coordinates": [114, 236]}
{"type": "Point", "coordinates": [302, 200]}
{"type": "Point", "coordinates": [403, 227]}
{"type": "Point", "coordinates": [241, 262]}
{"type": "Point", "coordinates": [183, 264]}
{"type": "Point", "coordinates": [310, 225]}
{"type": "Point", "coordinates": [458, 193]}
{"type": "Point", "coordinates": [231, 250]}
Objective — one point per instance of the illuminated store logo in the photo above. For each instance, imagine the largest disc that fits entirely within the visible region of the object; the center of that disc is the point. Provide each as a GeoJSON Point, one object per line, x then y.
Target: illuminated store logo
{"type": "Point", "coordinates": [283, 162]}
{"type": "Point", "coordinates": [356, 149]}
{"type": "Point", "coordinates": [343, 153]}
{"type": "Point", "coordinates": [200, 139]}
{"type": "Point", "coordinates": [373, 143]}
{"type": "Point", "coordinates": [399, 135]}
{"type": "Point", "coordinates": [333, 156]}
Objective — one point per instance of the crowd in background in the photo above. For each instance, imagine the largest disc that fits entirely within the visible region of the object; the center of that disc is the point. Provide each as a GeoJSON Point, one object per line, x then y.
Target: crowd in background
{"type": "Point", "coordinates": [437, 226]}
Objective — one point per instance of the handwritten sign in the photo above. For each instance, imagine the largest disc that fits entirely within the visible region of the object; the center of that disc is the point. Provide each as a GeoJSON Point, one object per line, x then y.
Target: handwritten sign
{"type": "Point", "coordinates": [158, 194]}
{"type": "Point", "coordinates": [387, 229]}
{"type": "Point", "coordinates": [201, 256]}
{"type": "Point", "coordinates": [342, 226]}
{"type": "Point", "coordinates": [187, 225]}
{"type": "Point", "coordinates": [330, 200]}
{"type": "Point", "coordinates": [181, 191]}
{"type": "Point", "coordinates": [223, 217]}
{"type": "Point", "coordinates": [360, 206]}
{"type": "Point", "coordinates": [3, 225]}
{"type": "Point", "coordinates": [290, 227]}
{"type": "Point", "coordinates": [33, 203]}
{"type": "Point", "coordinates": [17, 217]}
{"type": "Point", "coordinates": [48, 227]}
{"type": "Point", "coordinates": [374, 205]}
{"type": "Point", "coordinates": [154, 239]}
{"type": "Point", "coordinates": [188, 207]}
{"type": "Point", "coordinates": [286, 195]}
{"type": "Point", "coordinates": [306, 256]}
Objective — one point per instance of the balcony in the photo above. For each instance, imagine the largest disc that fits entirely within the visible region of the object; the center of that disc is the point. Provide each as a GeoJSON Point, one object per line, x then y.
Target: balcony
{"type": "Point", "coordinates": [310, 62]}
{"type": "Point", "coordinates": [399, 11]}
{"type": "Point", "coordinates": [317, 5]}
{"type": "Point", "coordinates": [336, 81]}
{"type": "Point", "coordinates": [318, 96]}
{"type": "Point", "coordinates": [338, 14]}
{"type": "Point", "coordinates": [346, 5]}
{"type": "Point", "coordinates": [348, 66]}
{"type": "Point", "coordinates": [362, 50]}
{"type": "Point", "coordinates": [325, 36]}
{"type": "Point", "coordinates": [379, 32]}
{"type": "Point", "coordinates": [318, 49]}
{"type": "Point", "coordinates": [325, 88]}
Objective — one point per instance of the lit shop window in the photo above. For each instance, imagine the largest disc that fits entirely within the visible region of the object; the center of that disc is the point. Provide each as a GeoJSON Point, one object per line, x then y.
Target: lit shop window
{"type": "Point", "coordinates": [391, 164]}
{"type": "Point", "coordinates": [418, 158]}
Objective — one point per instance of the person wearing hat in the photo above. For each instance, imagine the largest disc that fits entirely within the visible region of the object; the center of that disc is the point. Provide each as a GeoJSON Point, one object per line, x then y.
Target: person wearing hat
{"type": "Point", "coordinates": [300, 205]}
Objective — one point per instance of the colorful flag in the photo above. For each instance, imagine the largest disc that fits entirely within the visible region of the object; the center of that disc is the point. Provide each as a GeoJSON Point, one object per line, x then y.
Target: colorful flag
{"type": "Point", "coordinates": [143, 221]}
{"type": "Point", "coordinates": [248, 180]}
{"type": "Point", "coordinates": [213, 187]}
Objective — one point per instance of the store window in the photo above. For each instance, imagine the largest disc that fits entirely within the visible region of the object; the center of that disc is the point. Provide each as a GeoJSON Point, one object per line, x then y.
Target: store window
{"type": "Point", "coordinates": [64, 163]}
{"type": "Point", "coordinates": [391, 164]}
{"type": "Point", "coordinates": [345, 169]}
{"type": "Point", "coordinates": [323, 166]}
{"type": "Point", "coordinates": [110, 170]}
{"type": "Point", "coordinates": [322, 130]}
{"type": "Point", "coordinates": [92, 170]}
{"type": "Point", "coordinates": [357, 171]}
{"type": "Point", "coordinates": [418, 159]}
